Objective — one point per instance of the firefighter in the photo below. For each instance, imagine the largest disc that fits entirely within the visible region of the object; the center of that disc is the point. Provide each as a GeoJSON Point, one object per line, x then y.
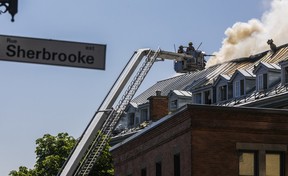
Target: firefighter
{"type": "Point", "coordinates": [190, 49]}
{"type": "Point", "coordinates": [181, 50]}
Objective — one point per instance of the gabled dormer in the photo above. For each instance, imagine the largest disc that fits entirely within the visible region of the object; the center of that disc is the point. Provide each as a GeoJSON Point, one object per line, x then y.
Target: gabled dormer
{"type": "Point", "coordinates": [223, 88]}
{"type": "Point", "coordinates": [267, 75]}
{"type": "Point", "coordinates": [243, 82]}
{"type": "Point", "coordinates": [178, 98]}
{"type": "Point", "coordinates": [284, 72]}
{"type": "Point", "coordinates": [203, 95]}
{"type": "Point", "coordinates": [132, 115]}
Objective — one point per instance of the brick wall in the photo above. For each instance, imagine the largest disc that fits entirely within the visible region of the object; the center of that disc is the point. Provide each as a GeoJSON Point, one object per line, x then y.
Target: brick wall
{"type": "Point", "coordinates": [205, 137]}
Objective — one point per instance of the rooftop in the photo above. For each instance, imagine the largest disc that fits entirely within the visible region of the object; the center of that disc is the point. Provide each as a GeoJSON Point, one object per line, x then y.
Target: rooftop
{"type": "Point", "coordinates": [199, 79]}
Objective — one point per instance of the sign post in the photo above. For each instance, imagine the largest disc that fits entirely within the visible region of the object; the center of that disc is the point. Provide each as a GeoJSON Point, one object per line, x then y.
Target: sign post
{"type": "Point", "coordinates": [10, 6]}
{"type": "Point", "coordinates": [52, 52]}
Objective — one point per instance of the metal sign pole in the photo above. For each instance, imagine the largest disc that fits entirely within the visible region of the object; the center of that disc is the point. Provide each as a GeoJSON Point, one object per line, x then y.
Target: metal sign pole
{"type": "Point", "coordinates": [10, 6]}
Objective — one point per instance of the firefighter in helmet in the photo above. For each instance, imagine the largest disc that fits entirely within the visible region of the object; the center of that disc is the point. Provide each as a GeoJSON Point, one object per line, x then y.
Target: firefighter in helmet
{"type": "Point", "coordinates": [190, 49]}
{"type": "Point", "coordinates": [181, 50]}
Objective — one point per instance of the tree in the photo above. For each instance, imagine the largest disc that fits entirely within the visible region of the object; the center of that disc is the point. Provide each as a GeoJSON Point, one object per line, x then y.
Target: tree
{"type": "Point", "coordinates": [23, 171]}
{"type": "Point", "coordinates": [51, 153]}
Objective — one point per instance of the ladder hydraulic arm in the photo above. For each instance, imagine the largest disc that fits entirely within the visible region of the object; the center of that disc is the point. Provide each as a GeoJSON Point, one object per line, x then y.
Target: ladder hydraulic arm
{"type": "Point", "coordinates": [91, 143]}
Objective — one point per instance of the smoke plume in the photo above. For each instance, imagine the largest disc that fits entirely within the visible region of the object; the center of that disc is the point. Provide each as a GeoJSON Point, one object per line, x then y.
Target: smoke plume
{"type": "Point", "coordinates": [245, 39]}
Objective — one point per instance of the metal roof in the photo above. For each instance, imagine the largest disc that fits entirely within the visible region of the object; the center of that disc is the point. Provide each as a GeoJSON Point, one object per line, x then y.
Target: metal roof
{"type": "Point", "coordinates": [182, 93]}
{"type": "Point", "coordinates": [198, 79]}
{"type": "Point", "coordinates": [247, 73]}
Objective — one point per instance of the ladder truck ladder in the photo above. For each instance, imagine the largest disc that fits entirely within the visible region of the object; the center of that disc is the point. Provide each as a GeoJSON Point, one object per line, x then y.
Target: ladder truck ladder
{"type": "Point", "coordinates": [92, 142]}
{"type": "Point", "coordinates": [113, 118]}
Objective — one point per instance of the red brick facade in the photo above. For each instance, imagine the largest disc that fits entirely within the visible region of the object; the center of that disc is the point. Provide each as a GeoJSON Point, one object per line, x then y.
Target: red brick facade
{"type": "Point", "coordinates": [206, 137]}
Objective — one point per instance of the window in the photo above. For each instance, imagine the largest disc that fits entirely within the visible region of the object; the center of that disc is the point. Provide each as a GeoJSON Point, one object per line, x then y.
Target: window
{"type": "Point", "coordinates": [239, 88]}
{"type": "Point", "coordinates": [222, 94]}
{"type": "Point", "coordinates": [131, 119]}
{"type": "Point", "coordinates": [274, 164]}
{"type": "Point", "coordinates": [174, 104]}
{"type": "Point", "coordinates": [207, 97]}
{"type": "Point", "coordinates": [144, 115]}
{"type": "Point", "coordinates": [262, 82]}
{"type": "Point", "coordinates": [197, 98]}
{"type": "Point", "coordinates": [286, 75]}
{"type": "Point", "coordinates": [177, 165]}
{"type": "Point", "coordinates": [265, 81]}
{"type": "Point", "coordinates": [261, 159]}
{"type": "Point", "coordinates": [158, 169]}
{"type": "Point", "coordinates": [242, 88]}
{"type": "Point", "coordinates": [247, 163]}
{"type": "Point", "coordinates": [143, 172]}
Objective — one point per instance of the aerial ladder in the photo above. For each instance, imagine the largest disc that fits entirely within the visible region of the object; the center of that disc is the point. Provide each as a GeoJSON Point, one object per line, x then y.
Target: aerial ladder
{"type": "Point", "coordinates": [100, 128]}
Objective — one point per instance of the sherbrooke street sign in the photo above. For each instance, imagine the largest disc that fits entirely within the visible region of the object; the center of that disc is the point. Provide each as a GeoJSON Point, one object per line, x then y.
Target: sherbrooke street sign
{"type": "Point", "coordinates": [52, 52]}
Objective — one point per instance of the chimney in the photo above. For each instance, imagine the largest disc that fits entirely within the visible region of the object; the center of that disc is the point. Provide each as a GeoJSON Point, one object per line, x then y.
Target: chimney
{"type": "Point", "coordinates": [158, 106]}
{"type": "Point", "coordinates": [273, 47]}
{"type": "Point", "coordinates": [158, 92]}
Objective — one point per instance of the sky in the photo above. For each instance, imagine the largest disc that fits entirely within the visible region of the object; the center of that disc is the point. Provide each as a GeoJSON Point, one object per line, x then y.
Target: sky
{"type": "Point", "coordinates": [39, 99]}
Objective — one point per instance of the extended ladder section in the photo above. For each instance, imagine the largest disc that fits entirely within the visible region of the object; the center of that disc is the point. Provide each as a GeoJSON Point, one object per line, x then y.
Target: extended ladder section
{"type": "Point", "coordinates": [100, 128]}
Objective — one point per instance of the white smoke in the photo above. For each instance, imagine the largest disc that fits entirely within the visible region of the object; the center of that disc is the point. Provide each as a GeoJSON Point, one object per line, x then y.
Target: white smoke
{"type": "Point", "coordinates": [245, 39]}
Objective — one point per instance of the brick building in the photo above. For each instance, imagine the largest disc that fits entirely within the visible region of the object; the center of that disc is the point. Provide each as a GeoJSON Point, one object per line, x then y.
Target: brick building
{"type": "Point", "coordinates": [208, 129]}
{"type": "Point", "coordinates": [203, 140]}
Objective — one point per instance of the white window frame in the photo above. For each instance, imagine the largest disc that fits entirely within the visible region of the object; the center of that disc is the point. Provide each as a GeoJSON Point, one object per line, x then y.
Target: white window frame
{"type": "Point", "coordinates": [237, 89]}
{"type": "Point", "coordinates": [260, 82]}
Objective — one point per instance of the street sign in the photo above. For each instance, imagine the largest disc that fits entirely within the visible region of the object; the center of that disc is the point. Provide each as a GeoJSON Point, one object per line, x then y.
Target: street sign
{"type": "Point", "coordinates": [52, 52]}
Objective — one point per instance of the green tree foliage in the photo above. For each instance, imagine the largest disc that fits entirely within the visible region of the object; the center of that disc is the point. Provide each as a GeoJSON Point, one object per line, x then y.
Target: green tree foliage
{"type": "Point", "coordinates": [51, 153]}
{"type": "Point", "coordinates": [23, 171]}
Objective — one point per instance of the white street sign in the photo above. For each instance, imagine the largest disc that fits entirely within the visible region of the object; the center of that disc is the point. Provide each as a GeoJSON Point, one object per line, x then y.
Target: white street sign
{"type": "Point", "coordinates": [52, 52]}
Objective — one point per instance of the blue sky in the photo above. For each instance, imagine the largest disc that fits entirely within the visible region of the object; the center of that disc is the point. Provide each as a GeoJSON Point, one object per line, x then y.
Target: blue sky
{"type": "Point", "coordinates": [39, 99]}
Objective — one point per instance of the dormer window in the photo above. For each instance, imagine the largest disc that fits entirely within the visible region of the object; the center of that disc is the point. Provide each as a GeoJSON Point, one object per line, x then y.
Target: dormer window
{"type": "Point", "coordinates": [262, 81]}
{"type": "Point", "coordinates": [224, 88]}
{"type": "Point", "coordinates": [239, 88]}
{"type": "Point", "coordinates": [197, 98]}
{"type": "Point", "coordinates": [174, 104]}
{"type": "Point", "coordinates": [284, 72]}
{"type": "Point", "coordinates": [268, 75]}
{"type": "Point", "coordinates": [178, 98]}
{"type": "Point", "coordinates": [144, 115]}
{"type": "Point", "coordinates": [286, 75]}
{"type": "Point", "coordinates": [207, 97]}
{"type": "Point", "coordinates": [243, 82]}
{"type": "Point", "coordinates": [222, 96]}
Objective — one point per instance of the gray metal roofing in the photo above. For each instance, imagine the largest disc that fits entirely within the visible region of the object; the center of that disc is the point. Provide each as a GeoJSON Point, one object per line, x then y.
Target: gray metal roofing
{"type": "Point", "coordinates": [198, 79]}
{"type": "Point", "coordinates": [247, 73]}
{"type": "Point", "coordinates": [182, 93]}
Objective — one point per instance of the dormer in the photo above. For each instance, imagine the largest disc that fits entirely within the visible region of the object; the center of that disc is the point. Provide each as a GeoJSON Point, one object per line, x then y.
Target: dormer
{"type": "Point", "coordinates": [178, 98]}
{"type": "Point", "coordinates": [203, 95]}
{"type": "Point", "coordinates": [132, 115]}
{"type": "Point", "coordinates": [223, 88]}
{"type": "Point", "coordinates": [243, 82]}
{"type": "Point", "coordinates": [284, 72]}
{"type": "Point", "coordinates": [267, 75]}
